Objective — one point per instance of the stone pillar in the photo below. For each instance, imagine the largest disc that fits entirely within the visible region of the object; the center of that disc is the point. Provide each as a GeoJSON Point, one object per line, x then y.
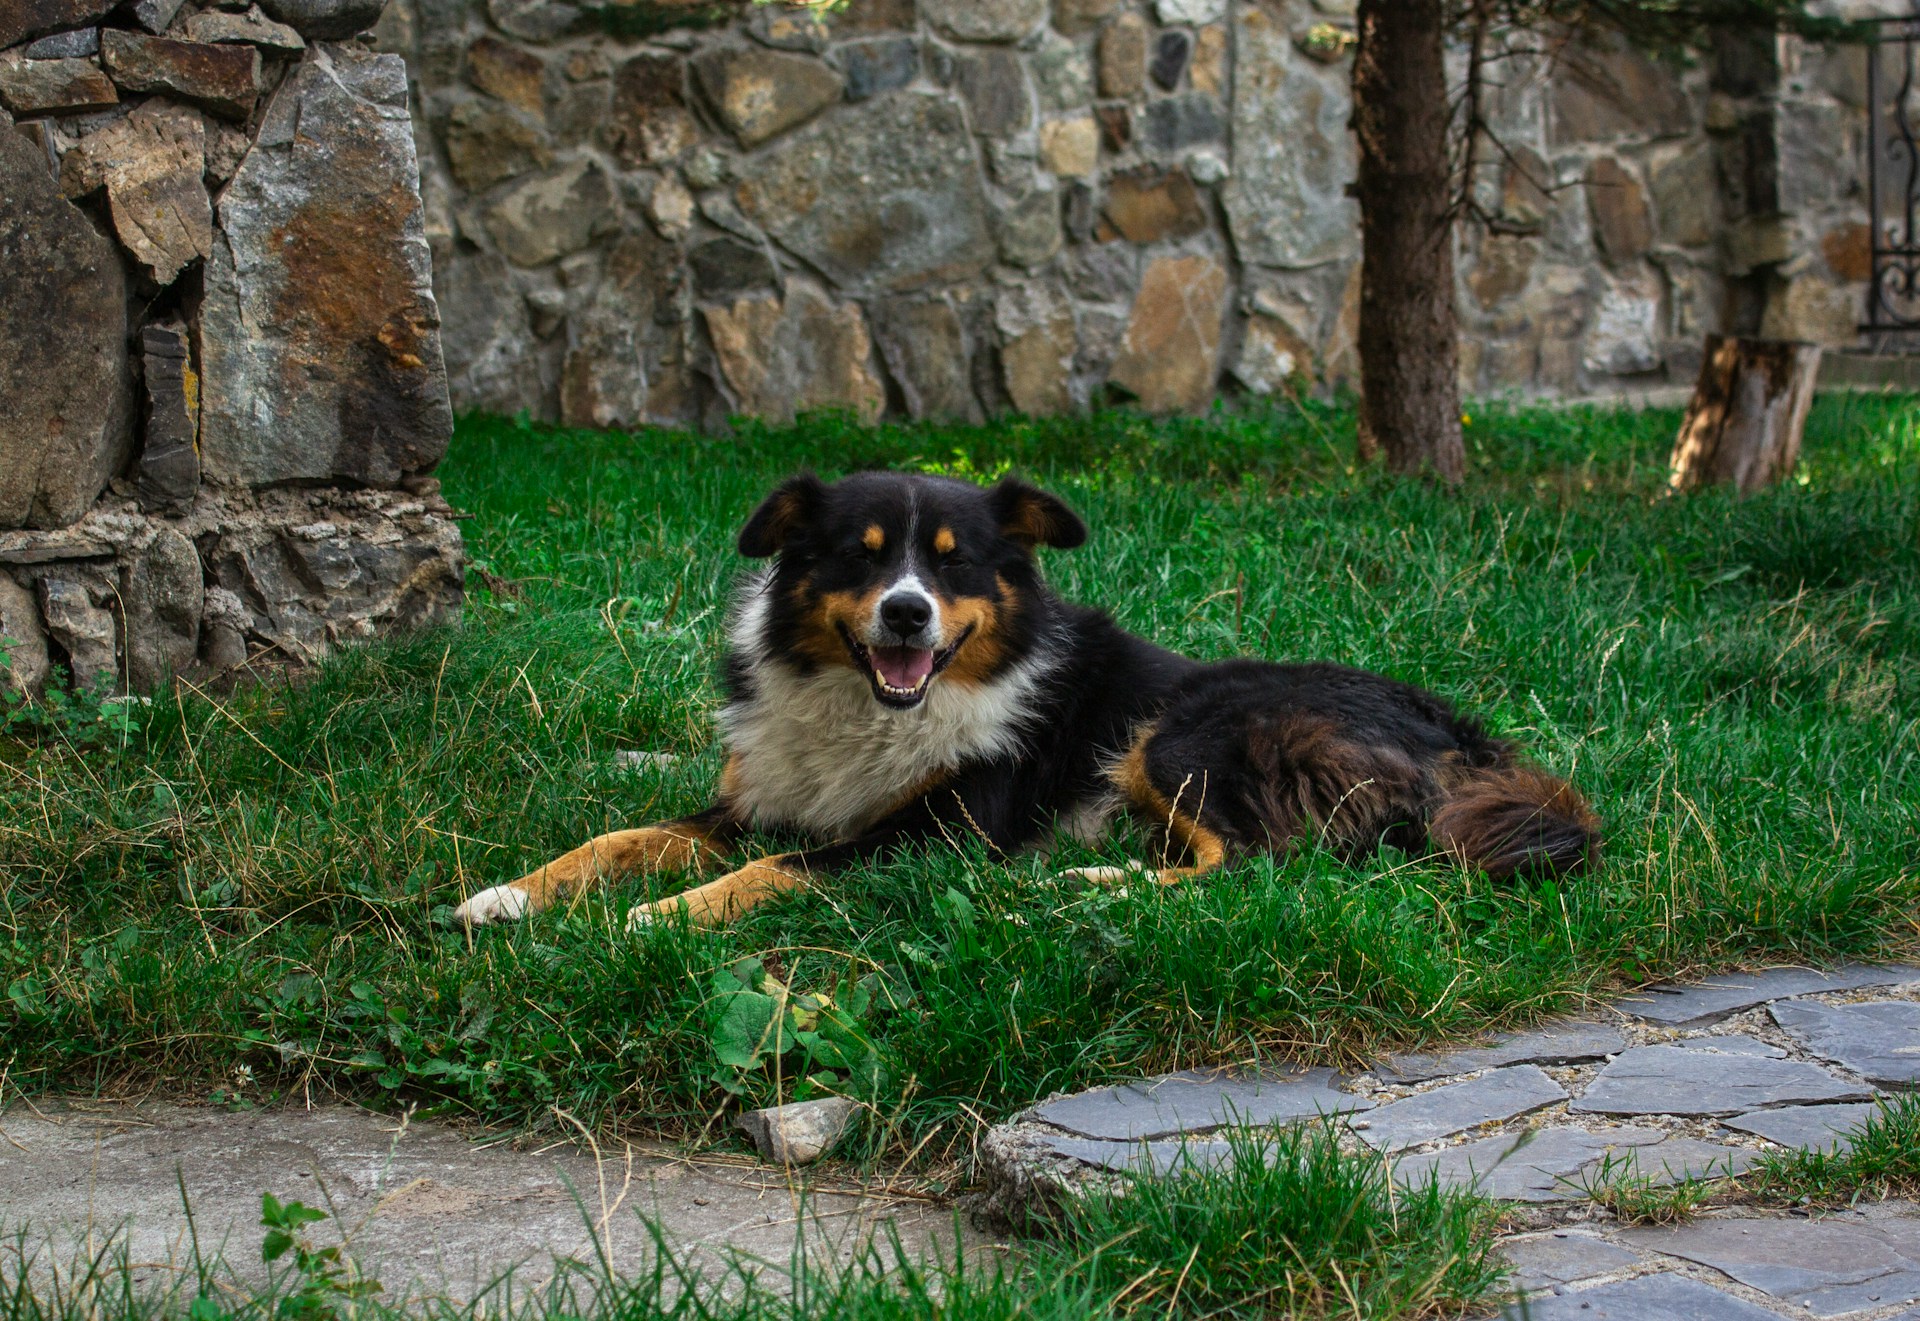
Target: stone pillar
{"type": "Point", "coordinates": [221, 388]}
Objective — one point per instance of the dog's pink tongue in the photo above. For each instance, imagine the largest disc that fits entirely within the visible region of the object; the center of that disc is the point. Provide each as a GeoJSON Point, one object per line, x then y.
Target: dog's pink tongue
{"type": "Point", "coordinates": [903, 667]}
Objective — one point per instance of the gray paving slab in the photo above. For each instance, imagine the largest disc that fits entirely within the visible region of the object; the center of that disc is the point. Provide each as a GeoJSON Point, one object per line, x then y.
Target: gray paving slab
{"type": "Point", "coordinates": [1499, 1095]}
{"type": "Point", "coordinates": [1148, 1157]}
{"type": "Point", "coordinates": [1692, 1158]}
{"type": "Point", "coordinates": [1648, 1298]}
{"type": "Point", "coordinates": [1732, 1045]}
{"type": "Point", "coordinates": [1571, 1041]}
{"type": "Point", "coordinates": [1199, 1102]}
{"type": "Point", "coordinates": [424, 1207]}
{"type": "Point", "coordinates": [1878, 1039]}
{"type": "Point", "coordinates": [1686, 1005]}
{"type": "Point", "coordinates": [1824, 1128]}
{"type": "Point", "coordinates": [1541, 1261]}
{"type": "Point", "coordinates": [1826, 1267]}
{"type": "Point", "coordinates": [1668, 1080]}
{"type": "Point", "coordinates": [1542, 1165]}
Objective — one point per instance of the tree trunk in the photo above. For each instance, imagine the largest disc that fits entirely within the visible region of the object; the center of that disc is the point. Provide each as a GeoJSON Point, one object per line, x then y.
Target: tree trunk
{"type": "Point", "coordinates": [1409, 338]}
{"type": "Point", "coordinates": [1748, 410]}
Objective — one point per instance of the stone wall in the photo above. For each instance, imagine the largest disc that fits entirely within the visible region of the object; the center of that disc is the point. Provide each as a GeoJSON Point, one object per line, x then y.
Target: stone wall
{"type": "Point", "coordinates": [221, 386]}
{"type": "Point", "coordinates": [954, 208]}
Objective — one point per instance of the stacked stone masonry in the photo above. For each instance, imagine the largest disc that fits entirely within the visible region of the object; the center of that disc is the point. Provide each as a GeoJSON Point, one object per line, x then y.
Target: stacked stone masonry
{"type": "Point", "coordinates": [958, 208]}
{"type": "Point", "coordinates": [221, 387]}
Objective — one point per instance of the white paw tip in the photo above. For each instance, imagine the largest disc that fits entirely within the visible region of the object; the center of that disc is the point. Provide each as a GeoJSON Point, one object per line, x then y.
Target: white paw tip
{"type": "Point", "coordinates": [641, 920]}
{"type": "Point", "coordinates": [502, 903]}
{"type": "Point", "coordinates": [1102, 875]}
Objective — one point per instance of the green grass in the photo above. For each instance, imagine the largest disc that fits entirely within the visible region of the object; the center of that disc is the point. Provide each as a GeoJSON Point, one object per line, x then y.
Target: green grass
{"type": "Point", "coordinates": [1292, 1227]}
{"type": "Point", "coordinates": [1881, 1161]}
{"type": "Point", "coordinates": [244, 895]}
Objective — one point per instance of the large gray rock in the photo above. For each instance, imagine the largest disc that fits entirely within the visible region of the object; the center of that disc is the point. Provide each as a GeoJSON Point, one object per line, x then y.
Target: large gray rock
{"type": "Point", "coordinates": [986, 20]}
{"type": "Point", "coordinates": [23, 668]}
{"type": "Point", "coordinates": [1198, 1102]}
{"type": "Point", "coordinates": [1825, 1267]}
{"type": "Point", "coordinates": [800, 1133]}
{"type": "Point", "coordinates": [885, 193]}
{"type": "Point", "coordinates": [161, 598]}
{"type": "Point", "coordinates": [1287, 201]}
{"type": "Point", "coordinates": [75, 602]}
{"type": "Point", "coordinates": [1667, 1080]}
{"type": "Point", "coordinates": [925, 347]}
{"type": "Point", "coordinates": [781, 357]}
{"type": "Point", "coordinates": [486, 337]}
{"type": "Point", "coordinates": [168, 474]}
{"type": "Point", "coordinates": [21, 19]}
{"type": "Point", "coordinates": [1879, 1040]}
{"type": "Point", "coordinates": [41, 87]}
{"type": "Point", "coordinates": [320, 343]}
{"type": "Point", "coordinates": [223, 78]}
{"type": "Point", "coordinates": [549, 216]}
{"type": "Point", "coordinates": [760, 94]}
{"type": "Point", "coordinates": [326, 20]}
{"type": "Point", "coordinates": [150, 164]}
{"type": "Point", "coordinates": [1677, 1004]}
{"type": "Point", "coordinates": [1499, 1095]}
{"type": "Point", "coordinates": [66, 402]}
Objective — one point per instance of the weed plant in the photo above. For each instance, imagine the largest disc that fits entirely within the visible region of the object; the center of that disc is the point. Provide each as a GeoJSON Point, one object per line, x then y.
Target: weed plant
{"type": "Point", "coordinates": [248, 892]}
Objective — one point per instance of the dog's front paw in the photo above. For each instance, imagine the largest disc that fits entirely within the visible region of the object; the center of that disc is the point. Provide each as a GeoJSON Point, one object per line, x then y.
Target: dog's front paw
{"type": "Point", "coordinates": [502, 903]}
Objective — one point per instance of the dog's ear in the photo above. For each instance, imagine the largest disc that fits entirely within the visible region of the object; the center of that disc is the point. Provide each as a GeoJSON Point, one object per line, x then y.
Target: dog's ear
{"type": "Point", "coordinates": [794, 504]}
{"type": "Point", "coordinates": [1031, 517]}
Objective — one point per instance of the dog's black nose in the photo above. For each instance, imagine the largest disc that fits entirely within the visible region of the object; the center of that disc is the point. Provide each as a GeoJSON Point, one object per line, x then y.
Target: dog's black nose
{"type": "Point", "coordinates": [906, 613]}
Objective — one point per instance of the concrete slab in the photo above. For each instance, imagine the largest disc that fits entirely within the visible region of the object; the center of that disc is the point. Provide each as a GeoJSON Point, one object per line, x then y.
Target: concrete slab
{"type": "Point", "coordinates": [418, 1202]}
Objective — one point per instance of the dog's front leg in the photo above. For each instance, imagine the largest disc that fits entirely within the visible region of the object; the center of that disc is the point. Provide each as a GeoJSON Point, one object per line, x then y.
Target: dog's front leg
{"type": "Point", "coordinates": [691, 843]}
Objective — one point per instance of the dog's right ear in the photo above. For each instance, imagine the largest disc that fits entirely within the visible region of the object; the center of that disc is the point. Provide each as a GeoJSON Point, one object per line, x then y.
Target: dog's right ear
{"type": "Point", "coordinates": [780, 515]}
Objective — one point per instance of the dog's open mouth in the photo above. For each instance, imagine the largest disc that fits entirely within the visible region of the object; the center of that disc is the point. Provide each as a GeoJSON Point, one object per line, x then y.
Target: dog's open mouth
{"type": "Point", "coordinates": [901, 675]}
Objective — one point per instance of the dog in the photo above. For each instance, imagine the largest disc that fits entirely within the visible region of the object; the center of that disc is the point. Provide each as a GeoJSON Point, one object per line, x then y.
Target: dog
{"type": "Point", "coordinates": [900, 674]}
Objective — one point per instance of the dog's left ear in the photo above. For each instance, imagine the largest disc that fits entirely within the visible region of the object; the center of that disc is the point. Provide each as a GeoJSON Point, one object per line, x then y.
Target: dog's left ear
{"type": "Point", "coordinates": [791, 507]}
{"type": "Point", "coordinates": [1030, 516]}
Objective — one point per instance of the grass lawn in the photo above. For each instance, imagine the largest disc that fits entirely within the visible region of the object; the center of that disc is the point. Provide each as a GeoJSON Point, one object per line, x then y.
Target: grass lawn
{"type": "Point", "coordinates": [246, 896]}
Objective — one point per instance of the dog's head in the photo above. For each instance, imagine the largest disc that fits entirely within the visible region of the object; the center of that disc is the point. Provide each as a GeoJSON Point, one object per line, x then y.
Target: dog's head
{"type": "Point", "coordinates": [906, 579]}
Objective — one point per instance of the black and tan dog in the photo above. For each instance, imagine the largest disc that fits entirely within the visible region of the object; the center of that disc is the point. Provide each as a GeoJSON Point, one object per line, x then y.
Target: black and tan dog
{"type": "Point", "coordinates": [901, 675]}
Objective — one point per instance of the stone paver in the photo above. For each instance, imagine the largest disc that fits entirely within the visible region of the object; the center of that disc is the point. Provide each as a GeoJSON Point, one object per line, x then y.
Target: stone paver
{"type": "Point", "coordinates": [1879, 1040]}
{"type": "Point", "coordinates": [1649, 1298]}
{"type": "Point", "coordinates": [1457, 1107]}
{"type": "Point", "coordinates": [1668, 1080]}
{"type": "Point", "coordinates": [1540, 1165]}
{"type": "Point", "coordinates": [1541, 1261]}
{"type": "Point", "coordinates": [1154, 1157]}
{"type": "Point", "coordinates": [1715, 998]}
{"type": "Point", "coordinates": [1197, 1102]}
{"type": "Point", "coordinates": [1809, 1127]}
{"type": "Point", "coordinates": [1825, 1267]}
{"type": "Point", "coordinates": [1733, 1045]}
{"type": "Point", "coordinates": [1556, 1043]}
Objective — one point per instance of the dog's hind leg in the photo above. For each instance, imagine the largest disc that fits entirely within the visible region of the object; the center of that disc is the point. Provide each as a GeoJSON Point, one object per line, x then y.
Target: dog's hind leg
{"type": "Point", "coordinates": [1177, 809]}
{"type": "Point", "coordinates": [724, 898]}
{"type": "Point", "coordinates": [691, 843]}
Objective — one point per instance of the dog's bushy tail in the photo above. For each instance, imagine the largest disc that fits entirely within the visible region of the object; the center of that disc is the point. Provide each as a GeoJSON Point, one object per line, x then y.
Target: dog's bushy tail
{"type": "Point", "coordinates": [1516, 820]}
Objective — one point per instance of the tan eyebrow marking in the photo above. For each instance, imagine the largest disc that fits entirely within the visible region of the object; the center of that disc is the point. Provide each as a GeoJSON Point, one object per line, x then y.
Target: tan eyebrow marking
{"type": "Point", "coordinates": [874, 538]}
{"type": "Point", "coordinates": [943, 542]}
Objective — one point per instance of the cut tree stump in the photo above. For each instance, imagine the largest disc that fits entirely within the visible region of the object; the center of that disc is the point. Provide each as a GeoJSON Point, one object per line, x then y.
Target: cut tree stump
{"type": "Point", "coordinates": [1748, 410]}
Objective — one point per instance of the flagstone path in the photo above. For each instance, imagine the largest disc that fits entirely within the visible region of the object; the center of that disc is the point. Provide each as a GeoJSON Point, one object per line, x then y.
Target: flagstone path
{"type": "Point", "coordinates": [1670, 1082]}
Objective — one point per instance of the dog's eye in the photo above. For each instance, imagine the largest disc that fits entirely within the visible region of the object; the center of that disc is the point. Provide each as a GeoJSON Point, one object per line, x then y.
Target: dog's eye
{"type": "Point", "coordinates": [953, 559]}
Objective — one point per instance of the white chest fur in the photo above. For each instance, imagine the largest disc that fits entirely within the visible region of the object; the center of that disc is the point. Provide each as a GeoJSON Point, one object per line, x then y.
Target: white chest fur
{"type": "Point", "coordinates": [818, 752]}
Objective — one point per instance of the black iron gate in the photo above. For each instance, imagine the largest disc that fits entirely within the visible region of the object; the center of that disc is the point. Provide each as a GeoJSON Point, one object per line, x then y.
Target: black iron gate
{"type": "Point", "coordinates": [1893, 176]}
